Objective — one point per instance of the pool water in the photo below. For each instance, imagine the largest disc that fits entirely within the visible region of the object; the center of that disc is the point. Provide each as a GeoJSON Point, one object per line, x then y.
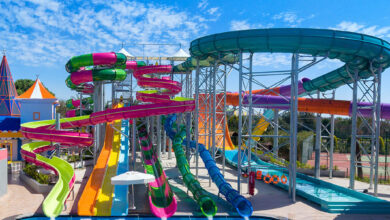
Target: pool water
{"type": "Point", "coordinates": [144, 218]}
{"type": "Point", "coordinates": [331, 197]}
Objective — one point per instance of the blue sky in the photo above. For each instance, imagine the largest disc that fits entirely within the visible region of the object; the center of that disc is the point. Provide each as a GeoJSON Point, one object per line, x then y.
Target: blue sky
{"type": "Point", "coordinates": [41, 35]}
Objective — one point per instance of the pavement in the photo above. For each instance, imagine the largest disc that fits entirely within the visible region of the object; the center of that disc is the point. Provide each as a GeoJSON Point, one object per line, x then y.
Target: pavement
{"type": "Point", "coordinates": [267, 201]}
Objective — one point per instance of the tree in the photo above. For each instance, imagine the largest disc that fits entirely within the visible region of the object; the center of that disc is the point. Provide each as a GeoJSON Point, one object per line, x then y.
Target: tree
{"type": "Point", "coordinates": [22, 85]}
{"type": "Point", "coordinates": [62, 108]}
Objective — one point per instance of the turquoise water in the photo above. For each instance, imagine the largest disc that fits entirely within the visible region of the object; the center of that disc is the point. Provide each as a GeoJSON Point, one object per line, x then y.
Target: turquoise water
{"type": "Point", "coordinates": [144, 218]}
{"type": "Point", "coordinates": [331, 197]}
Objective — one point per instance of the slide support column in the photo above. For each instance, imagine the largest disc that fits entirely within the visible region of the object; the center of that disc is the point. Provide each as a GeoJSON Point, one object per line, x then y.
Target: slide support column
{"type": "Point", "coordinates": [275, 147]}
{"type": "Point", "coordinates": [250, 114]}
{"type": "Point", "coordinates": [317, 158]}
{"type": "Point", "coordinates": [197, 118]}
{"type": "Point", "coordinates": [352, 168]}
{"type": "Point", "coordinates": [239, 123]}
{"type": "Point", "coordinates": [293, 125]}
{"type": "Point", "coordinates": [378, 127]}
{"type": "Point", "coordinates": [331, 141]}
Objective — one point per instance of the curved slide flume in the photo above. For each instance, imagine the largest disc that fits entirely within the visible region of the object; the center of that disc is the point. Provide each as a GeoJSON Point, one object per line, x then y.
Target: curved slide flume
{"type": "Point", "coordinates": [166, 207]}
{"type": "Point", "coordinates": [242, 205]}
{"type": "Point", "coordinates": [359, 52]}
{"type": "Point", "coordinates": [206, 204]}
{"type": "Point", "coordinates": [44, 130]}
{"type": "Point", "coordinates": [161, 199]}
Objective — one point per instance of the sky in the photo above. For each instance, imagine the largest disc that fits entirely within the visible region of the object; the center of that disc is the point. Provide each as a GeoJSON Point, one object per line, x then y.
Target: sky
{"type": "Point", "coordinates": [39, 36]}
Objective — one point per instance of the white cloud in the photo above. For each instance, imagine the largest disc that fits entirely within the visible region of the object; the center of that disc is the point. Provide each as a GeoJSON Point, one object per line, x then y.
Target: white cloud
{"type": "Point", "coordinates": [374, 30]}
{"type": "Point", "coordinates": [47, 4]}
{"type": "Point", "coordinates": [47, 32]}
{"type": "Point", "coordinates": [291, 18]}
{"type": "Point", "coordinates": [236, 25]}
{"type": "Point", "coordinates": [203, 4]}
{"type": "Point", "coordinates": [271, 60]}
{"type": "Point", "coordinates": [212, 11]}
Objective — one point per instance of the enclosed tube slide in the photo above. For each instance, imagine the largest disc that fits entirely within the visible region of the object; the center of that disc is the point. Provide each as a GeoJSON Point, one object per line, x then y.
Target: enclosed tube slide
{"type": "Point", "coordinates": [206, 204]}
{"type": "Point", "coordinates": [75, 104]}
{"type": "Point", "coordinates": [161, 199]}
{"type": "Point", "coordinates": [361, 53]}
{"type": "Point", "coordinates": [167, 207]}
{"type": "Point", "coordinates": [242, 205]}
{"type": "Point", "coordinates": [81, 75]}
{"type": "Point", "coordinates": [72, 103]}
{"type": "Point", "coordinates": [323, 106]}
{"type": "Point", "coordinates": [44, 130]}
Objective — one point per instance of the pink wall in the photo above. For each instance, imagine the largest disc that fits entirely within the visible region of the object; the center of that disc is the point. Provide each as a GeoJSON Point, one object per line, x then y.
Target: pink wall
{"type": "Point", "coordinates": [3, 154]}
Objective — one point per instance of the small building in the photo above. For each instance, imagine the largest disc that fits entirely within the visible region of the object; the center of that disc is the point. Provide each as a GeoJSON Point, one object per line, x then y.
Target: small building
{"type": "Point", "coordinates": [10, 136]}
{"type": "Point", "coordinates": [37, 104]}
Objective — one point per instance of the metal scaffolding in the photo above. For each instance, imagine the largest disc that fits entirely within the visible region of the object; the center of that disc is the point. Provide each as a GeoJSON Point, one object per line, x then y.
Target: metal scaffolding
{"type": "Point", "coordinates": [366, 109]}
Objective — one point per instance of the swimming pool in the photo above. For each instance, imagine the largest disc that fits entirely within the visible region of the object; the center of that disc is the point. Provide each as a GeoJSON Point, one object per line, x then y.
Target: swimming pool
{"type": "Point", "coordinates": [139, 217]}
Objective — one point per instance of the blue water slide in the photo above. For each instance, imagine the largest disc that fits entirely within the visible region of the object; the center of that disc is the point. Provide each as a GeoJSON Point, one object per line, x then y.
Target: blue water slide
{"type": "Point", "coordinates": [120, 201]}
{"type": "Point", "coordinates": [242, 205]}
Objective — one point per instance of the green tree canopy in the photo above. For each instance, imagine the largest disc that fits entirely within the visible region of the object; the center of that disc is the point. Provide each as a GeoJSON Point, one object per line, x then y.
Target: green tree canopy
{"type": "Point", "coordinates": [22, 85]}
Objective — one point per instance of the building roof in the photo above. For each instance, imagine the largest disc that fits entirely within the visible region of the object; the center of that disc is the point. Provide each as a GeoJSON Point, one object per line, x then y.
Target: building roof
{"type": "Point", "coordinates": [37, 91]}
{"type": "Point", "coordinates": [181, 53]}
{"type": "Point", "coordinates": [127, 54]}
{"type": "Point", "coordinates": [9, 106]}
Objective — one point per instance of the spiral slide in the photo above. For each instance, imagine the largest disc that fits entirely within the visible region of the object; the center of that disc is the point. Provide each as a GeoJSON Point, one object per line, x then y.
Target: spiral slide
{"type": "Point", "coordinates": [242, 205]}
{"type": "Point", "coordinates": [162, 202]}
{"type": "Point", "coordinates": [75, 104]}
{"type": "Point", "coordinates": [44, 130]}
{"type": "Point", "coordinates": [206, 204]}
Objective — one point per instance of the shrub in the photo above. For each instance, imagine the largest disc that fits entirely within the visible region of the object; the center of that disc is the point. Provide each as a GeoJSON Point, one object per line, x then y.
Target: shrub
{"type": "Point", "coordinates": [31, 171]}
{"type": "Point", "coordinates": [323, 167]}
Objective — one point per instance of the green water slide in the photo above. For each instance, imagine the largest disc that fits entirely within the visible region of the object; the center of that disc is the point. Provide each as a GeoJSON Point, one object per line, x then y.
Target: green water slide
{"type": "Point", "coordinates": [206, 204]}
{"type": "Point", "coordinates": [54, 201]}
{"type": "Point", "coordinates": [359, 52]}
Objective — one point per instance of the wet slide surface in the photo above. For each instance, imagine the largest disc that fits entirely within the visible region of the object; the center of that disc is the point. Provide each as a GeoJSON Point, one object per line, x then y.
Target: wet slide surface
{"type": "Point", "coordinates": [86, 205]}
{"type": "Point", "coordinates": [105, 194]}
{"type": "Point", "coordinates": [54, 202]}
{"type": "Point", "coordinates": [120, 200]}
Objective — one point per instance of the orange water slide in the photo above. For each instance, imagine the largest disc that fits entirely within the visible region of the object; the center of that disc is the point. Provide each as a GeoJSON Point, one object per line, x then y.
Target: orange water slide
{"type": "Point", "coordinates": [219, 129]}
{"type": "Point", "coordinates": [323, 106]}
{"type": "Point", "coordinates": [91, 190]}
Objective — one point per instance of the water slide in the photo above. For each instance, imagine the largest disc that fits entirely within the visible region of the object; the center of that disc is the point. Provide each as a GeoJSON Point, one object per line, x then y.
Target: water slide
{"type": "Point", "coordinates": [202, 198]}
{"type": "Point", "coordinates": [105, 195]}
{"type": "Point", "coordinates": [44, 130]}
{"type": "Point", "coordinates": [120, 200]}
{"type": "Point", "coordinates": [87, 201]}
{"type": "Point", "coordinates": [74, 105]}
{"type": "Point", "coordinates": [53, 203]}
{"type": "Point", "coordinates": [242, 205]}
{"type": "Point", "coordinates": [161, 199]}
{"type": "Point", "coordinates": [361, 54]}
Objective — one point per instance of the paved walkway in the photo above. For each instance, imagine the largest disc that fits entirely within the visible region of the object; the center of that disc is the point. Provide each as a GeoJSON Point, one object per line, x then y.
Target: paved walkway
{"type": "Point", "coordinates": [268, 200]}
{"type": "Point", "coordinates": [21, 200]}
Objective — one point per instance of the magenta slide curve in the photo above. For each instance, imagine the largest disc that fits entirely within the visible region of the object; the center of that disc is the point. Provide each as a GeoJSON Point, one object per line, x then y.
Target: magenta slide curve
{"type": "Point", "coordinates": [161, 199]}
{"type": "Point", "coordinates": [45, 130]}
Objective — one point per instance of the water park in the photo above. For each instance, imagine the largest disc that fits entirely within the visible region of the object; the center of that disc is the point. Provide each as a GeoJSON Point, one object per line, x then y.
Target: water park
{"type": "Point", "coordinates": [203, 134]}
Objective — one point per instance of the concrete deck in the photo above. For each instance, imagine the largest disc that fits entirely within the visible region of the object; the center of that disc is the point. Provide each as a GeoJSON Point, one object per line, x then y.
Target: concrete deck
{"type": "Point", "coordinates": [268, 200]}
